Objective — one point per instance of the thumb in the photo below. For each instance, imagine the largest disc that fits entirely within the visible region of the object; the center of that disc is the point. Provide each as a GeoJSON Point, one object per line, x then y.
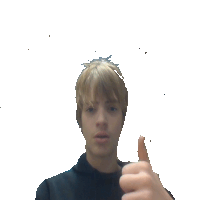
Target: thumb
{"type": "Point", "coordinates": [142, 151]}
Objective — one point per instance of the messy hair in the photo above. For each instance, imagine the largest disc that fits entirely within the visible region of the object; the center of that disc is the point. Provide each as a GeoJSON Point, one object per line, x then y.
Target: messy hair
{"type": "Point", "coordinates": [100, 78]}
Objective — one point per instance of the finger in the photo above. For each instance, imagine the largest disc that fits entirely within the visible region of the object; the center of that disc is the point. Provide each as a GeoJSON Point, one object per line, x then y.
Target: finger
{"type": "Point", "coordinates": [142, 151]}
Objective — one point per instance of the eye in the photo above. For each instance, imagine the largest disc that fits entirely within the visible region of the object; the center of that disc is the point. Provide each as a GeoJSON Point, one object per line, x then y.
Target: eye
{"type": "Point", "coordinates": [89, 109]}
{"type": "Point", "coordinates": [114, 108]}
{"type": "Point", "coordinates": [93, 108]}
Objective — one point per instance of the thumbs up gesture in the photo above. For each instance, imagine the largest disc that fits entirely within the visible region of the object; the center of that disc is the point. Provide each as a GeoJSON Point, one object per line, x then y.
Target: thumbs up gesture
{"type": "Point", "coordinates": [138, 180]}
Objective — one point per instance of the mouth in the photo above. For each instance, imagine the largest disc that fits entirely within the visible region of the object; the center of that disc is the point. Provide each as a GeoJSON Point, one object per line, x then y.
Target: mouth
{"type": "Point", "coordinates": [102, 134]}
{"type": "Point", "coordinates": [102, 140]}
{"type": "Point", "coordinates": [102, 137]}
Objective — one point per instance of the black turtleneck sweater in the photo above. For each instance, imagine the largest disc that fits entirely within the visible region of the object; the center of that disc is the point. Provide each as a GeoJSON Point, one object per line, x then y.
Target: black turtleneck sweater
{"type": "Point", "coordinates": [82, 181]}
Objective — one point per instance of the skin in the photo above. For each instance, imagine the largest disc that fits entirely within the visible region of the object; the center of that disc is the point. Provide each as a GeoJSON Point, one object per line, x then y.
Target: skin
{"type": "Point", "coordinates": [139, 181]}
{"type": "Point", "coordinates": [103, 117]}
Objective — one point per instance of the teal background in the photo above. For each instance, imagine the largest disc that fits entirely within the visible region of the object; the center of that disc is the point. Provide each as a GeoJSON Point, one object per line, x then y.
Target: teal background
{"type": "Point", "coordinates": [39, 134]}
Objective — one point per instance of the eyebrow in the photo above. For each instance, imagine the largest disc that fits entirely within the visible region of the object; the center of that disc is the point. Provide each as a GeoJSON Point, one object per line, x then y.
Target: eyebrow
{"type": "Point", "coordinates": [107, 102]}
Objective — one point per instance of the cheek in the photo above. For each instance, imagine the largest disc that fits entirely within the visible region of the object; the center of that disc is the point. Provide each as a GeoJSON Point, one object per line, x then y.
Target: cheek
{"type": "Point", "coordinates": [84, 118]}
{"type": "Point", "coordinates": [117, 123]}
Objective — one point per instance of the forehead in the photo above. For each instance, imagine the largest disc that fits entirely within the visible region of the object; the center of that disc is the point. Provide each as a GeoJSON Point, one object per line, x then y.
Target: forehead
{"type": "Point", "coordinates": [91, 98]}
{"type": "Point", "coordinates": [106, 102]}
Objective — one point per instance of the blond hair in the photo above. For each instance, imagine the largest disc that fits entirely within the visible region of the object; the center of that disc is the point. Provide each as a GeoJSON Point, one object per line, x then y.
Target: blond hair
{"type": "Point", "coordinates": [100, 78]}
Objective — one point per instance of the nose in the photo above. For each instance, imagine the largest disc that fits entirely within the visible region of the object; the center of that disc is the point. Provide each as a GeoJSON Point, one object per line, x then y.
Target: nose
{"type": "Point", "coordinates": [101, 117]}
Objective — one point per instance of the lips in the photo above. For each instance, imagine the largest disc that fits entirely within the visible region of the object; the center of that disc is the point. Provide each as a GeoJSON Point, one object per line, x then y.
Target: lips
{"type": "Point", "coordinates": [102, 134]}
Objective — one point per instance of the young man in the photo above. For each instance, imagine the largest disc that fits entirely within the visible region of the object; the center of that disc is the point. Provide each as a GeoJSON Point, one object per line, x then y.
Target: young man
{"type": "Point", "coordinates": [104, 118]}
{"type": "Point", "coordinates": [102, 101]}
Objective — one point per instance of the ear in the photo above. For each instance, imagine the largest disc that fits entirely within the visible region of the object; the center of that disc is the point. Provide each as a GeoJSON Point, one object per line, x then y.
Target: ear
{"type": "Point", "coordinates": [81, 129]}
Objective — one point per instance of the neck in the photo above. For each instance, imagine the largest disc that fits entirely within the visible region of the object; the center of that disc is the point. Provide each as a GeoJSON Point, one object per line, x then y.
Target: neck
{"type": "Point", "coordinates": [103, 163]}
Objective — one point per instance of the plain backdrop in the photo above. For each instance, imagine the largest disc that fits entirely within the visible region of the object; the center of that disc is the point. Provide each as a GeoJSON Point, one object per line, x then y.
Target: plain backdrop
{"type": "Point", "coordinates": [42, 47]}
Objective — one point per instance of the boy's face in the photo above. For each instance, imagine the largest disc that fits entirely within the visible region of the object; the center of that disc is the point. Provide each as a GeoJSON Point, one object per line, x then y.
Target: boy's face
{"type": "Point", "coordinates": [102, 117]}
